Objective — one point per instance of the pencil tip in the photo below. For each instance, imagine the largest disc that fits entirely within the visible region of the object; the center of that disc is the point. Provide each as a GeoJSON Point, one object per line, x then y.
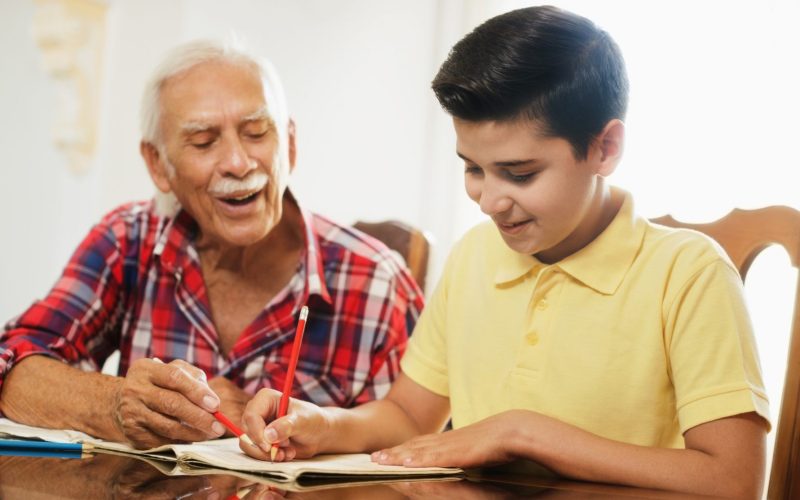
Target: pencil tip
{"type": "Point", "coordinates": [246, 439]}
{"type": "Point", "coordinates": [273, 452]}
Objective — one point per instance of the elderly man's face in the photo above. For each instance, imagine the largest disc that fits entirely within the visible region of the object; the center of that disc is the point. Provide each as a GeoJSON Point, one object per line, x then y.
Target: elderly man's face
{"type": "Point", "coordinates": [221, 149]}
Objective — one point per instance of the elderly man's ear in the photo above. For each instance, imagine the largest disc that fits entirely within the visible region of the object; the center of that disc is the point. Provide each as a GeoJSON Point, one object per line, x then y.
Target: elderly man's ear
{"type": "Point", "coordinates": [292, 145]}
{"type": "Point", "coordinates": [156, 166]}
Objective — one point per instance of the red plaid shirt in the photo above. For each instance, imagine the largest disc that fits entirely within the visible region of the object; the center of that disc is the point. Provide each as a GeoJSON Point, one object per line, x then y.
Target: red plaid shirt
{"type": "Point", "coordinates": [135, 284]}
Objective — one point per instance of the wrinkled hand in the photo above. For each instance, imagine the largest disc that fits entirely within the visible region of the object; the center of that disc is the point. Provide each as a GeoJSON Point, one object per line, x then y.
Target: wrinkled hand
{"type": "Point", "coordinates": [160, 403]}
{"type": "Point", "coordinates": [298, 434]}
{"type": "Point", "coordinates": [133, 478]}
{"type": "Point", "coordinates": [480, 444]}
{"type": "Point", "coordinates": [232, 399]}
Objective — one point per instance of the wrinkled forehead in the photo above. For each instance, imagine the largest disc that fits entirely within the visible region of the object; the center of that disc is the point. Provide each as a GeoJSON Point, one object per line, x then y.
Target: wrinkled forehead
{"type": "Point", "coordinates": [212, 92]}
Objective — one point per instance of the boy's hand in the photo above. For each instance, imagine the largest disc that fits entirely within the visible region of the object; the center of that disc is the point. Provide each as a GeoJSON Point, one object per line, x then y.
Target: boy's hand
{"type": "Point", "coordinates": [483, 443]}
{"type": "Point", "coordinates": [298, 434]}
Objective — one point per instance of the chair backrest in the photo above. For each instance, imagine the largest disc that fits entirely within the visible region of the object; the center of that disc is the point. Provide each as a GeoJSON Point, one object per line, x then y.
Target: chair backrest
{"type": "Point", "coordinates": [411, 243]}
{"type": "Point", "coordinates": [744, 234]}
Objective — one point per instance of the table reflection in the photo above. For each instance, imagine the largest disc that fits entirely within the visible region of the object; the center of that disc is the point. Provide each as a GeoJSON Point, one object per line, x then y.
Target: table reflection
{"type": "Point", "coordinates": [112, 476]}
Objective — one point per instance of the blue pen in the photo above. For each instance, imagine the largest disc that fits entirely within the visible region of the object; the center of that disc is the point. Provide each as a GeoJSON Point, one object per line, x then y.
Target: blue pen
{"type": "Point", "coordinates": [25, 448]}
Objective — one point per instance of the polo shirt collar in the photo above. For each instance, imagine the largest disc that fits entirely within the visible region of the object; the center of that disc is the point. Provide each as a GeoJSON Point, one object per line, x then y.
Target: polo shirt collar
{"type": "Point", "coordinates": [174, 245]}
{"type": "Point", "coordinates": [615, 248]}
{"type": "Point", "coordinates": [603, 263]}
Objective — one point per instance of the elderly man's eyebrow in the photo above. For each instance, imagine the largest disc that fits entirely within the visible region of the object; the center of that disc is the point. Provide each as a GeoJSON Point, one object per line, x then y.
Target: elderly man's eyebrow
{"type": "Point", "coordinates": [258, 115]}
{"type": "Point", "coordinates": [190, 128]}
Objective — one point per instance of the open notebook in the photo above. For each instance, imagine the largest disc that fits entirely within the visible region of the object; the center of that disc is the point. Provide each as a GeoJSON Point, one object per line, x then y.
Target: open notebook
{"type": "Point", "coordinates": [225, 455]}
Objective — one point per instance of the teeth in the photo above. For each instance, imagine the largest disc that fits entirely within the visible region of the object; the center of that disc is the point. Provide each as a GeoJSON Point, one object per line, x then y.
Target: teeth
{"type": "Point", "coordinates": [242, 197]}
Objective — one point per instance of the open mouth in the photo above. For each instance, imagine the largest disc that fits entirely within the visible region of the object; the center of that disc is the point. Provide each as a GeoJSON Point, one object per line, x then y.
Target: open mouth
{"type": "Point", "coordinates": [514, 224]}
{"type": "Point", "coordinates": [240, 200]}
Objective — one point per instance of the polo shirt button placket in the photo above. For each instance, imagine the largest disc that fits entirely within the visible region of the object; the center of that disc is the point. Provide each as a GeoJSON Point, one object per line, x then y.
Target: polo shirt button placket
{"type": "Point", "coordinates": [532, 338]}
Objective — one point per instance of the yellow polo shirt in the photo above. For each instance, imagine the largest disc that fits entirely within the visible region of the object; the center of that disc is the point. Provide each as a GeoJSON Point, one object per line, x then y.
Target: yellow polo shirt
{"type": "Point", "coordinates": [638, 337]}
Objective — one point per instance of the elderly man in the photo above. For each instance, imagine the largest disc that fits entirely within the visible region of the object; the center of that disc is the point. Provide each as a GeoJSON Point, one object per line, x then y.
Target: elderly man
{"type": "Point", "coordinates": [201, 295]}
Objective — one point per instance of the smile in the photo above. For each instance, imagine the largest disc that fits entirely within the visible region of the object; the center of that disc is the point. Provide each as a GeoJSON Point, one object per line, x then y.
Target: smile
{"type": "Point", "coordinates": [242, 199]}
{"type": "Point", "coordinates": [513, 227]}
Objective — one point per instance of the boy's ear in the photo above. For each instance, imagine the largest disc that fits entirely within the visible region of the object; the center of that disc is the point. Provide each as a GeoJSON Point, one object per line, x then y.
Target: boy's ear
{"type": "Point", "coordinates": [610, 143]}
{"type": "Point", "coordinates": [155, 166]}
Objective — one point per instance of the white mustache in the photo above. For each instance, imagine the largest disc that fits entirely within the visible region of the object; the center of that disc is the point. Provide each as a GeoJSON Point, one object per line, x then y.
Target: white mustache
{"type": "Point", "coordinates": [255, 181]}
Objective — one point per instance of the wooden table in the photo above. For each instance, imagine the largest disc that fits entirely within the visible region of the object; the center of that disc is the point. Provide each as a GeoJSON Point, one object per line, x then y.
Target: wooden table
{"type": "Point", "coordinates": [109, 476]}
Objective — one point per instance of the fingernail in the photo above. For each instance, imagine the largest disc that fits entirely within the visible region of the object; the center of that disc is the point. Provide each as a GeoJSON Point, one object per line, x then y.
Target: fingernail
{"type": "Point", "coordinates": [218, 428]}
{"type": "Point", "coordinates": [383, 456]}
{"type": "Point", "coordinates": [270, 435]}
{"type": "Point", "coordinates": [210, 402]}
{"type": "Point", "coordinates": [265, 447]}
{"type": "Point", "coordinates": [407, 460]}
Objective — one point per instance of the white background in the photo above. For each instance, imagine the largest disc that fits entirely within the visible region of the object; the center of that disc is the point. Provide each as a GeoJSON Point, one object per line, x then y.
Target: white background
{"type": "Point", "coordinates": [713, 120]}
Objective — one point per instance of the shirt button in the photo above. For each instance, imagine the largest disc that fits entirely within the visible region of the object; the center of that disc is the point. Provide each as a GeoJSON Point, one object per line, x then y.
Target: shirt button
{"type": "Point", "coordinates": [542, 305]}
{"type": "Point", "coordinates": [532, 338]}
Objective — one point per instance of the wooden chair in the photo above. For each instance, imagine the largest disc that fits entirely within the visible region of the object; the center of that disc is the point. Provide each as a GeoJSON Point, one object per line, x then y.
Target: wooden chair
{"type": "Point", "coordinates": [744, 234]}
{"type": "Point", "coordinates": [411, 243]}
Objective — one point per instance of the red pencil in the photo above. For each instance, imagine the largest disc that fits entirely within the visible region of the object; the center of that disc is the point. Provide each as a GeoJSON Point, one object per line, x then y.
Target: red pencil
{"type": "Point", "coordinates": [223, 419]}
{"type": "Point", "coordinates": [232, 427]}
{"type": "Point", "coordinates": [287, 384]}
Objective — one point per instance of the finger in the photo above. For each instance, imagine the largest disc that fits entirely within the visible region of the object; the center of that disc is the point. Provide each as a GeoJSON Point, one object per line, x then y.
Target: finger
{"type": "Point", "coordinates": [390, 456]}
{"type": "Point", "coordinates": [191, 370]}
{"type": "Point", "coordinates": [264, 405]}
{"type": "Point", "coordinates": [280, 430]}
{"type": "Point", "coordinates": [174, 407]}
{"type": "Point", "coordinates": [175, 378]}
{"type": "Point", "coordinates": [170, 430]}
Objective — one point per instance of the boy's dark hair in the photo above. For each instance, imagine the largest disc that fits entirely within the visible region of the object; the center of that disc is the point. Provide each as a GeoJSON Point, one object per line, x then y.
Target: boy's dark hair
{"type": "Point", "coordinates": [541, 63]}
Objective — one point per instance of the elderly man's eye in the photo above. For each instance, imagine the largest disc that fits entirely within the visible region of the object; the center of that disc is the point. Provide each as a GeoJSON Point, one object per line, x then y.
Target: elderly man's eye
{"type": "Point", "coordinates": [202, 145]}
{"type": "Point", "coordinates": [257, 133]}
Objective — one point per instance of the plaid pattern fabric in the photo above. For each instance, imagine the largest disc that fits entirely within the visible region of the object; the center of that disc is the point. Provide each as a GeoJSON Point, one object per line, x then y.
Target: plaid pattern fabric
{"type": "Point", "coordinates": [135, 283]}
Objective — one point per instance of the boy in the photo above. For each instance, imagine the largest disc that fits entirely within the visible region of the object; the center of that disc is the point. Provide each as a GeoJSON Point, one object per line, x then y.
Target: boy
{"type": "Point", "coordinates": [567, 331]}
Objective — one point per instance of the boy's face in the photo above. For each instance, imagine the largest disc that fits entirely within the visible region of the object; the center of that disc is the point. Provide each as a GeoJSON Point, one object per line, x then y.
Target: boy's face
{"type": "Point", "coordinates": [543, 201]}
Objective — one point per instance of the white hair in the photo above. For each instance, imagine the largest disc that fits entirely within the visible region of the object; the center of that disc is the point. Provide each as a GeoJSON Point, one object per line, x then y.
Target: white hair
{"type": "Point", "coordinates": [187, 56]}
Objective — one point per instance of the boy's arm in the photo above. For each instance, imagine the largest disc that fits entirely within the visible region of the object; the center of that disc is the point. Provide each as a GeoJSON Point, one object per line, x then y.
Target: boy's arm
{"type": "Point", "coordinates": [407, 411]}
{"type": "Point", "coordinates": [723, 457]}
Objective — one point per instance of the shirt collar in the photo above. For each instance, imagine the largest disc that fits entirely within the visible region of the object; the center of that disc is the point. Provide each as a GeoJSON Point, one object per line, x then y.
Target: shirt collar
{"type": "Point", "coordinates": [600, 265]}
{"type": "Point", "coordinates": [174, 245]}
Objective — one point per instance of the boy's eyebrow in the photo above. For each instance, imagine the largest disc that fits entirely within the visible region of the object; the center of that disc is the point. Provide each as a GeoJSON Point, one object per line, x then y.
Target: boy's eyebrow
{"type": "Point", "coordinates": [507, 163]}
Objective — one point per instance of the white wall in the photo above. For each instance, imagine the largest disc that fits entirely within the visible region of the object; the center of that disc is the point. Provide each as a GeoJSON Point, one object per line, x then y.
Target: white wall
{"type": "Point", "coordinates": [713, 120]}
{"type": "Point", "coordinates": [371, 138]}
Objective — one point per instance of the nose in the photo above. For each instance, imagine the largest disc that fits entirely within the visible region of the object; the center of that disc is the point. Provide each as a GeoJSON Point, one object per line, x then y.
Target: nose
{"type": "Point", "coordinates": [235, 161]}
{"type": "Point", "coordinates": [493, 199]}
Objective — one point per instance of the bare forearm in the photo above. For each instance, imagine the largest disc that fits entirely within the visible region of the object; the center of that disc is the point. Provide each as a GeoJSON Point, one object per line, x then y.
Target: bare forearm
{"type": "Point", "coordinates": [44, 392]}
{"type": "Point", "coordinates": [369, 427]}
{"type": "Point", "coordinates": [575, 453]}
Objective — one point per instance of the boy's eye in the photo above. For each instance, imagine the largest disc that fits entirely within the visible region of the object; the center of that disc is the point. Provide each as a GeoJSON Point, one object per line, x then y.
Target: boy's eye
{"type": "Point", "coordinates": [519, 178]}
{"type": "Point", "coordinates": [472, 170]}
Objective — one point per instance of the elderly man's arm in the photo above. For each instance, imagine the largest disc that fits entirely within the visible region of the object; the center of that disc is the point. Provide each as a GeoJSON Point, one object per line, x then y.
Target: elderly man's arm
{"type": "Point", "coordinates": [76, 324]}
{"type": "Point", "coordinates": [154, 404]}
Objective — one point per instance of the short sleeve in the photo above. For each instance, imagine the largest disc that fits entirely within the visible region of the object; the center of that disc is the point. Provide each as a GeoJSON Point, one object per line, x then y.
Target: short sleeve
{"type": "Point", "coordinates": [425, 360]}
{"type": "Point", "coordinates": [712, 351]}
